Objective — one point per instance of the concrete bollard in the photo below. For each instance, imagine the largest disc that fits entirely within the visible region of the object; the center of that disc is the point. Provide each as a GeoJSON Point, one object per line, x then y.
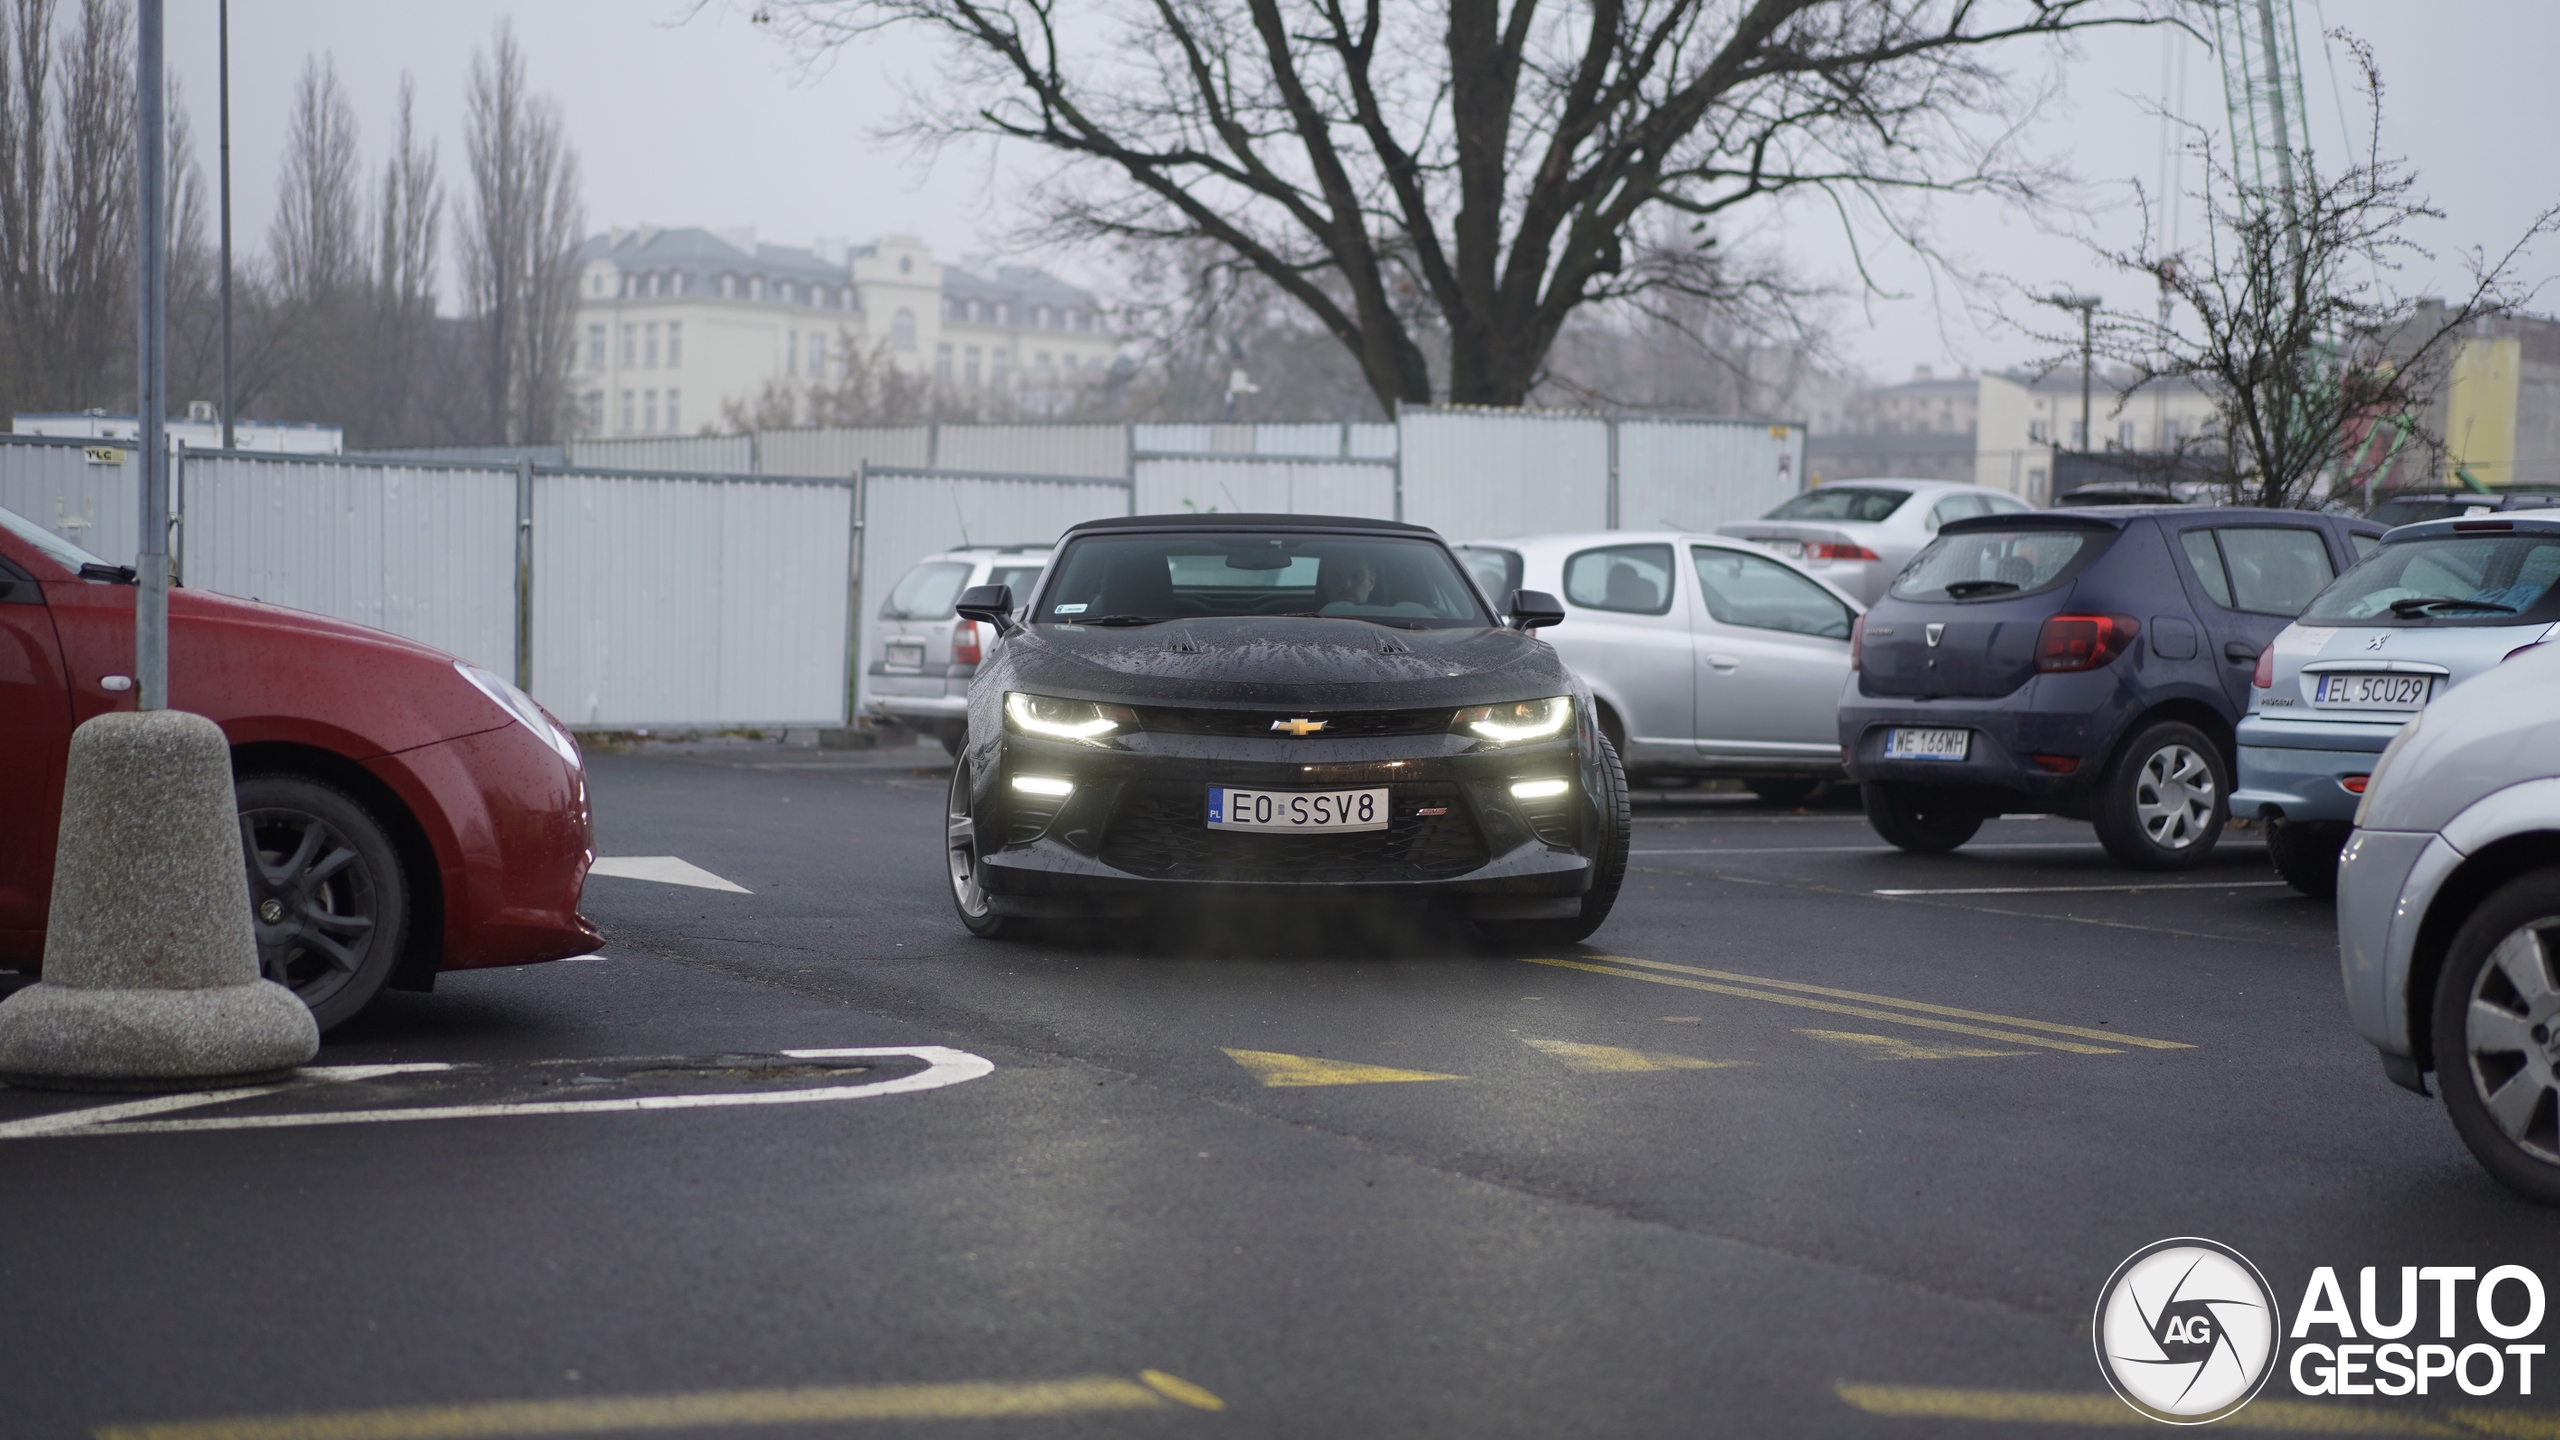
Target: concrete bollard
{"type": "Point", "coordinates": [151, 975]}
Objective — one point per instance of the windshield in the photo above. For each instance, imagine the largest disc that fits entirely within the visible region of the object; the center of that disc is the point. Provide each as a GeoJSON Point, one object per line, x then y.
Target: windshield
{"type": "Point", "coordinates": [56, 549]}
{"type": "Point", "coordinates": [2447, 580]}
{"type": "Point", "coordinates": [1141, 579]}
{"type": "Point", "coordinates": [1980, 564]}
{"type": "Point", "coordinates": [1841, 502]}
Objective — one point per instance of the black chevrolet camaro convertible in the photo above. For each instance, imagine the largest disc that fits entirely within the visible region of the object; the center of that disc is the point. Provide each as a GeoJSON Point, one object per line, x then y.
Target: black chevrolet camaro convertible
{"type": "Point", "coordinates": [1291, 707]}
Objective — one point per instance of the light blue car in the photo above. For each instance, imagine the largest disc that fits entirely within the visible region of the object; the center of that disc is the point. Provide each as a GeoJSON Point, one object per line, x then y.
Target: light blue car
{"type": "Point", "coordinates": [2435, 604]}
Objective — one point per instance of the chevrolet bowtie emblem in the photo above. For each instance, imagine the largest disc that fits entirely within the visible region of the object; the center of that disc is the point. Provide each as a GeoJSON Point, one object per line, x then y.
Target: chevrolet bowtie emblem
{"type": "Point", "coordinates": [1301, 728]}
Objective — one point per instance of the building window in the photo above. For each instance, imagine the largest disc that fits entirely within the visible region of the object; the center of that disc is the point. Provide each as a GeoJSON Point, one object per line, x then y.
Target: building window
{"type": "Point", "coordinates": [2079, 435]}
{"type": "Point", "coordinates": [942, 363]}
{"type": "Point", "coordinates": [902, 329]}
{"type": "Point", "coordinates": [591, 410]}
{"type": "Point", "coordinates": [595, 284]}
{"type": "Point", "coordinates": [1041, 360]}
{"type": "Point", "coordinates": [675, 343]}
{"type": "Point", "coordinates": [2124, 435]}
{"type": "Point", "coordinates": [1075, 320]}
{"type": "Point", "coordinates": [630, 346]}
{"type": "Point", "coordinates": [791, 353]}
{"type": "Point", "coordinates": [1004, 312]}
{"type": "Point", "coordinates": [755, 287]}
{"type": "Point", "coordinates": [595, 347]}
{"type": "Point", "coordinates": [649, 411]}
{"type": "Point", "coordinates": [728, 287]}
{"type": "Point", "coordinates": [673, 424]}
{"type": "Point", "coordinates": [649, 354]}
{"type": "Point", "coordinates": [657, 284]}
{"type": "Point", "coordinates": [974, 312]}
{"type": "Point", "coordinates": [1001, 360]}
{"type": "Point", "coordinates": [847, 298]}
{"type": "Point", "coordinates": [817, 356]}
{"type": "Point", "coordinates": [2168, 434]}
{"type": "Point", "coordinates": [627, 413]}
{"type": "Point", "coordinates": [1040, 317]}
{"type": "Point", "coordinates": [969, 366]}
{"type": "Point", "coordinates": [2036, 432]}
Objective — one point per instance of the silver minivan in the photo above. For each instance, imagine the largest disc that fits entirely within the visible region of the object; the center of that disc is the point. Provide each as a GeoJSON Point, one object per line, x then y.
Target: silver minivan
{"type": "Point", "coordinates": [922, 655]}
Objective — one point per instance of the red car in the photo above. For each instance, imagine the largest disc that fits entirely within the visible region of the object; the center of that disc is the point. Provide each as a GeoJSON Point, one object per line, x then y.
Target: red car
{"type": "Point", "coordinates": [401, 812]}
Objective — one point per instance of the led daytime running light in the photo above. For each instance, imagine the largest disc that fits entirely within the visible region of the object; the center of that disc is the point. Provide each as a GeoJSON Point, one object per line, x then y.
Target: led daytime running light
{"type": "Point", "coordinates": [1520, 720]}
{"type": "Point", "coordinates": [1538, 789]}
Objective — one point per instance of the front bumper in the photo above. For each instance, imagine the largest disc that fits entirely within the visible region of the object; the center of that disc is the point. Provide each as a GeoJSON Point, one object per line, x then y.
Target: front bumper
{"type": "Point", "coordinates": [2291, 769]}
{"type": "Point", "coordinates": [1134, 835]}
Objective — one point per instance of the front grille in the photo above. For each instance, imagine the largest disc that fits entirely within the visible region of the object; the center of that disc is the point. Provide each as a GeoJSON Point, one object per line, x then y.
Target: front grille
{"type": "Point", "coordinates": [1161, 831]}
{"type": "Point", "coordinates": [1362, 724]}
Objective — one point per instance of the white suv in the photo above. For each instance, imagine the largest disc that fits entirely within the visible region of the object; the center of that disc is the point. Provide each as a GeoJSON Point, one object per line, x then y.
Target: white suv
{"type": "Point", "coordinates": [922, 656]}
{"type": "Point", "coordinates": [2449, 913]}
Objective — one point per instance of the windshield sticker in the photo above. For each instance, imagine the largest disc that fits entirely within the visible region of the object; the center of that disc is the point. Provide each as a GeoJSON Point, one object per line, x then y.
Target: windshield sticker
{"type": "Point", "coordinates": [1066, 610]}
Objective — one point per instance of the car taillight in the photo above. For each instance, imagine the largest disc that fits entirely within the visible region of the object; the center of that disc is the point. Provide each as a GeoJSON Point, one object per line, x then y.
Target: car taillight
{"type": "Point", "coordinates": [1817, 550]}
{"type": "Point", "coordinates": [2264, 677]}
{"type": "Point", "coordinates": [964, 643]}
{"type": "Point", "coordinates": [2083, 642]}
{"type": "Point", "coordinates": [1857, 640]}
{"type": "Point", "coordinates": [2354, 784]}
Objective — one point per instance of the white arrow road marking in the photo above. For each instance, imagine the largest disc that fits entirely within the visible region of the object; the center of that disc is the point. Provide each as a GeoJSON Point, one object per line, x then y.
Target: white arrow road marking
{"type": "Point", "coordinates": [665, 869]}
{"type": "Point", "coordinates": [943, 1066]}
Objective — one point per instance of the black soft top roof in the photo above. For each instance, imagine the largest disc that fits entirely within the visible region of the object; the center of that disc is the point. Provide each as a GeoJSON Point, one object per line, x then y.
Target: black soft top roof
{"type": "Point", "coordinates": [1216, 522]}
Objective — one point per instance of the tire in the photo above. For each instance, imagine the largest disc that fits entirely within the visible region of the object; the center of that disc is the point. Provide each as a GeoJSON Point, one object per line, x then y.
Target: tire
{"type": "Point", "coordinates": [1607, 878]}
{"type": "Point", "coordinates": [2162, 803]}
{"type": "Point", "coordinates": [2497, 1007]}
{"type": "Point", "coordinates": [328, 896]}
{"type": "Point", "coordinates": [2306, 854]}
{"type": "Point", "coordinates": [1923, 819]}
{"type": "Point", "coordinates": [1787, 792]}
{"type": "Point", "coordinates": [953, 741]}
{"type": "Point", "coordinates": [960, 854]}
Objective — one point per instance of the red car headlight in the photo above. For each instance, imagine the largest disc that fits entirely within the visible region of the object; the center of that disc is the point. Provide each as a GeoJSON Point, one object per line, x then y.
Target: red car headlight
{"type": "Point", "coordinates": [521, 708]}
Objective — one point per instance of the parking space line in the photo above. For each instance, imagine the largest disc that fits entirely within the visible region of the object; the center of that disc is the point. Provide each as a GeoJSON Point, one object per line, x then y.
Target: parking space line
{"type": "Point", "coordinates": [665, 870]}
{"type": "Point", "coordinates": [609, 1414]}
{"type": "Point", "coordinates": [1863, 1012]}
{"type": "Point", "coordinates": [2110, 1036]}
{"type": "Point", "coordinates": [164, 1104]}
{"type": "Point", "coordinates": [2102, 1408]}
{"type": "Point", "coordinates": [1612, 1060]}
{"type": "Point", "coordinates": [1894, 1047]}
{"type": "Point", "coordinates": [1279, 1071]}
{"type": "Point", "coordinates": [2136, 887]}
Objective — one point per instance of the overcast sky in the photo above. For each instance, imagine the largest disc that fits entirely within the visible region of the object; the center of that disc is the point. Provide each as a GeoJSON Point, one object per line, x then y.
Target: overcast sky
{"type": "Point", "coordinates": [686, 117]}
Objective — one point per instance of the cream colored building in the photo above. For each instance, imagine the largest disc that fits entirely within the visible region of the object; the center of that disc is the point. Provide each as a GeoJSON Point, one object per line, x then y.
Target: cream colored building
{"type": "Point", "coordinates": [2020, 419]}
{"type": "Point", "coordinates": [675, 325]}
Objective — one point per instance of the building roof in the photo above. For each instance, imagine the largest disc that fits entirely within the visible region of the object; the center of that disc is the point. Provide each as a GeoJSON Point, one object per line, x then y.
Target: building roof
{"type": "Point", "coordinates": [1021, 284]}
{"type": "Point", "coordinates": [708, 254]}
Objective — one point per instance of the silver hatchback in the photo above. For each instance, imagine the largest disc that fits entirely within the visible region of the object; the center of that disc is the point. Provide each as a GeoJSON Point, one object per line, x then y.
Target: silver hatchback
{"type": "Point", "coordinates": [923, 655]}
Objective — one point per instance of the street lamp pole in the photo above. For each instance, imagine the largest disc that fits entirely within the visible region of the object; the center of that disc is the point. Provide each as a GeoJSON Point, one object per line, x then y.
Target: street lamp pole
{"type": "Point", "coordinates": [151, 309]}
{"type": "Point", "coordinates": [2087, 305]}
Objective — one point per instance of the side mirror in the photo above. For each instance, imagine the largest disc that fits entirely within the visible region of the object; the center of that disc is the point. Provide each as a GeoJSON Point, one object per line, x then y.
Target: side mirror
{"type": "Point", "coordinates": [988, 605]}
{"type": "Point", "coordinates": [1535, 610]}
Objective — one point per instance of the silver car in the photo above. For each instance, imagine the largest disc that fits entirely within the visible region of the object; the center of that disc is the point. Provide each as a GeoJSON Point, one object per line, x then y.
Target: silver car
{"type": "Point", "coordinates": [922, 655]}
{"type": "Point", "coordinates": [2434, 605]}
{"type": "Point", "coordinates": [1858, 534]}
{"type": "Point", "coordinates": [2449, 914]}
{"type": "Point", "coordinates": [1706, 656]}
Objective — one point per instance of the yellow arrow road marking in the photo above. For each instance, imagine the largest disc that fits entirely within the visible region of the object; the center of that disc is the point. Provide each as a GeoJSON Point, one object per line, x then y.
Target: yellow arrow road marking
{"type": "Point", "coordinates": [1610, 1060]}
{"type": "Point", "coordinates": [1863, 1012]}
{"type": "Point", "coordinates": [1888, 1047]}
{"type": "Point", "coordinates": [706, 1410]}
{"type": "Point", "coordinates": [2112, 1037]}
{"type": "Point", "coordinates": [1285, 1072]}
{"type": "Point", "coordinates": [2102, 1408]}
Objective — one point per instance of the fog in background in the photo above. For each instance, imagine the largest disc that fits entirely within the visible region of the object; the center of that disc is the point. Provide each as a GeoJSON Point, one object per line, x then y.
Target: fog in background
{"type": "Point", "coordinates": [692, 116]}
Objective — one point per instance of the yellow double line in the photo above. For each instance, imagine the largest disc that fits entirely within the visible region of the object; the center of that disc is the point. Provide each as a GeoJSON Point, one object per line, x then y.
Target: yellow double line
{"type": "Point", "coordinates": [1838, 1002]}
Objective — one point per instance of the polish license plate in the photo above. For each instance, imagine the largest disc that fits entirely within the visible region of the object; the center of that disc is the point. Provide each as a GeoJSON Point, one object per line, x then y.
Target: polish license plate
{"type": "Point", "coordinates": [1901, 744]}
{"type": "Point", "coordinates": [1294, 810]}
{"type": "Point", "coordinates": [2372, 692]}
{"type": "Point", "coordinates": [908, 655]}
{"type": "Point", "coordinates": [1792, 549]}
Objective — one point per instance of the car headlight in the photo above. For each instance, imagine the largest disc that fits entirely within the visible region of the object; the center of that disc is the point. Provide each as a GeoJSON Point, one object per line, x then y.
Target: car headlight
{"type": "Point", "coordinates": [1516, 721]}
{"type": "Point", "coordinates": [1086, 721]}
{"type": "Point", "coordinates": [2382, 766]}
{"type": "Point", "coordinates": [523, 710]}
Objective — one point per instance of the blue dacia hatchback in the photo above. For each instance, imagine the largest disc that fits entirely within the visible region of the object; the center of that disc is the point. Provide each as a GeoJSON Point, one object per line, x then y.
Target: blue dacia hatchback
{"type": "Point", "coordinates": [2091, 662]}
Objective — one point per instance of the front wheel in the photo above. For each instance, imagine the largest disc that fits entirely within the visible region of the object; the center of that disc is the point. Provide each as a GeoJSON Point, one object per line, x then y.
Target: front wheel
{"type": "Point", "coordinates": [1923, 819]}
{"type": "Point", "coordinates": [2496, 1024]}
{"type": "Point", "coordinates": [1608, 874]}
{"type": "Point", "coordinates": [2306, 854]}
{"type": "Point", "coordinates": [2163, 802]}
{"type": "Point", "coordinates": [328, 897]}
{"type": "Point", "coordinates": [960, 849]}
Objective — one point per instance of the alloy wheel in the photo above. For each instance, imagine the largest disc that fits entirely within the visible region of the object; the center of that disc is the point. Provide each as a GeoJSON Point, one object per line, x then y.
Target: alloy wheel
{"type": "Point", "coordinates": [2173, 797]}
{"type": "Point", "coordinates": [960, 830]}
{"type": "Point", "coordinates": [313, 901]}
{"type": "Point", "coordinates": [2511, 1030]}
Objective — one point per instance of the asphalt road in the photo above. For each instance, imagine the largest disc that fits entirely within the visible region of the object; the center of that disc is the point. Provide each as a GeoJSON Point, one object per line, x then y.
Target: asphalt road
{"type": "Point", "coordinates": [1810, 1136]}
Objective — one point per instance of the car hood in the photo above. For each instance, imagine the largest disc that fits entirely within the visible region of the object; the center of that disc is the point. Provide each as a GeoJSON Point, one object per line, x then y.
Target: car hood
{"type": "Point", "coordinates": [1251, 660]}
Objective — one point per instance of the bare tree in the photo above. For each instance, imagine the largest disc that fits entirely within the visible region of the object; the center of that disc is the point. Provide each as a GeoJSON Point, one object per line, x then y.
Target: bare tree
{"type": "Point", "coordinates": [519, 246]}
{"type": "Point", "coordinates": [869, 388]}
{"type": "Point", "coordinates": [2289, 318]}
{"type": "Point", "coordinates": [66, 206]}
{"type": "Point", "coordinates": [410, 369]}
{"type": "Point", "coordinates": [1505, 164]}
{"type": "Point", "coordinates": [316, 245]}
